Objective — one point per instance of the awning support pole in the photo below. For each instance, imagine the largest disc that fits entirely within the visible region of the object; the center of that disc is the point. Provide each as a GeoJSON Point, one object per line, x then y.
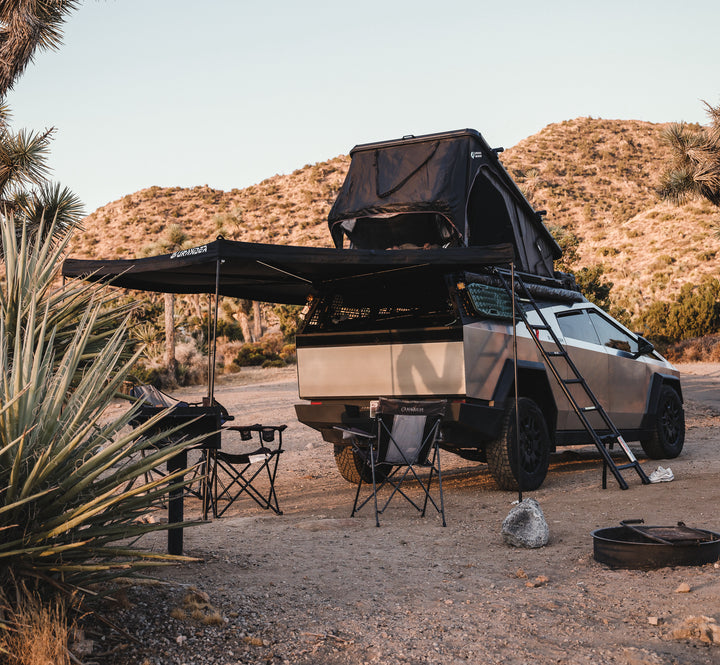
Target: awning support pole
{"type": "Point", "coordinates": [214, 333]}
{"type": "Point", "coordinates": [517, 392]}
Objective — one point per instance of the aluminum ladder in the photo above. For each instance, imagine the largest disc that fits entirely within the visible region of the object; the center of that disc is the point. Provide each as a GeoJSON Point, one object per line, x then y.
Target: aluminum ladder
{"type": "Point", "coordinates": [603, 442]}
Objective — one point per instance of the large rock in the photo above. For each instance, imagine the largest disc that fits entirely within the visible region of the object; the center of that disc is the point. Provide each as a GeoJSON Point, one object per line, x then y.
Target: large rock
{"type": "Point", "coordinates": [525, 525]}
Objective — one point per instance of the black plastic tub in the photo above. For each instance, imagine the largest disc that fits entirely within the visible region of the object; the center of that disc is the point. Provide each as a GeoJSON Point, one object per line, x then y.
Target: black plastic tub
{"type": "Point", "coordinates": [655, 546]}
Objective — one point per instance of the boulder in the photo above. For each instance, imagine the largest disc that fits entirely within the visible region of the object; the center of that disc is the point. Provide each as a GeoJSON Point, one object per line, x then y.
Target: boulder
{"type": "Point", "coordinates": [525, 525]}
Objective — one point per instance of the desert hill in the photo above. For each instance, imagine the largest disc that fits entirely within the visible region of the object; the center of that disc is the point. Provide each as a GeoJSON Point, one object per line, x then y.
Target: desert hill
{"type": "Point", "coordinates": [595, 178]}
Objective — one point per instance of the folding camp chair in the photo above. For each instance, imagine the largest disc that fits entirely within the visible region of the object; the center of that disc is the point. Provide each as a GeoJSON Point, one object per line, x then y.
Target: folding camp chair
{"type": "Point", "coordinates": [252, 473]}
{"type": "Point", "coordinates": [405, 432]}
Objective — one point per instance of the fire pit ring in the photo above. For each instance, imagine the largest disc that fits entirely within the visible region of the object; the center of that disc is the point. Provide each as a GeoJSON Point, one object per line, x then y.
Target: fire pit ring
{"type": "Point", "coordinates": [632, 546]}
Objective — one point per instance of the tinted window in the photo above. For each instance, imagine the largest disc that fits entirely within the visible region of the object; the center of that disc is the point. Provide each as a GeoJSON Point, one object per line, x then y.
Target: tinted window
{"type": "Point", "coordinates": [576, 325]}
{"type": "Point", "coordinates": [611, 336]}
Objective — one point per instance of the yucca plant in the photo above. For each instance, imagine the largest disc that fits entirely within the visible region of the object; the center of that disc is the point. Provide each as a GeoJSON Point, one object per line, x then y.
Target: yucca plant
{"type": "Point", "coordinates": [71, 484]}
{"type": "Point", "coordinates": [695, 167]}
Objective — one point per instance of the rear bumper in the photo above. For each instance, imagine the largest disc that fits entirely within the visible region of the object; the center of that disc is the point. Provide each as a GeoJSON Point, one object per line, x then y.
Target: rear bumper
{"type": "Point", "coordinates": [466, 425]}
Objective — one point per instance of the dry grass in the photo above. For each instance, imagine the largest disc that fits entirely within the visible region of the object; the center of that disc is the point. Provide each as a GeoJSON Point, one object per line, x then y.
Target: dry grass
{"type": "Point", "coordinates": [39, 634]}
{"type": "Point", "coordinates": [702, 349]}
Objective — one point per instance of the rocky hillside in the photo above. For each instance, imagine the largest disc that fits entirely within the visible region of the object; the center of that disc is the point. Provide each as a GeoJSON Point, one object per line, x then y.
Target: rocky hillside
{"type": "Point", "coordinates": [594, 177]}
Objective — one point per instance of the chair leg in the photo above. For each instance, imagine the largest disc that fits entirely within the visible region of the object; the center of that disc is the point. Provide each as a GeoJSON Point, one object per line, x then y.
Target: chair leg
{"type": "Point", "coordinates": [440, 490]}
{"type": "Point", "coordinates": [357, 496]}
{"type": "Point", "coordinates": [209, 483]}
{"type": "Point", "coordinates": [372, 468]}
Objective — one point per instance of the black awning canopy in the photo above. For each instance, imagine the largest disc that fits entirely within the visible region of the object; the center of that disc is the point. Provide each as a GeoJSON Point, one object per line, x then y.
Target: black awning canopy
{"type": "Point", "coordinates": [280, 273]}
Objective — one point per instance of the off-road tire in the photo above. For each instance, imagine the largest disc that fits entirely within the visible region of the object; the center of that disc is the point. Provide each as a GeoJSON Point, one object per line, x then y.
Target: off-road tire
{"type": "Point", "coordinates": [351, 466]}
{"type": "Point", "coordinates": [535, 447]}
{"type": "Point", "coordinates": [668, 435]}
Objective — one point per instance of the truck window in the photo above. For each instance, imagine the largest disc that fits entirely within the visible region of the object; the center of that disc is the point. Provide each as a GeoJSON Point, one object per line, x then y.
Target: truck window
{"type": "Point", "coordinates": [576, 325]}
{"type": "Point", "coordinates": [612, 336]}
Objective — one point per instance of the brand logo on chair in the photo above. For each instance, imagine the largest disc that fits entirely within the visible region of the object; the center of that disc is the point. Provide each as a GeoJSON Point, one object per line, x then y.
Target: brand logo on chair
{"type": "Point", "coordinates": [412, 409]}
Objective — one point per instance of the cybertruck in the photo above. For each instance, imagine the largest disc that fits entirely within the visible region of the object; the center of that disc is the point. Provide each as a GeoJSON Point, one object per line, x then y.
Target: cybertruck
{"type": "Point", "coordinates": [419, 333]}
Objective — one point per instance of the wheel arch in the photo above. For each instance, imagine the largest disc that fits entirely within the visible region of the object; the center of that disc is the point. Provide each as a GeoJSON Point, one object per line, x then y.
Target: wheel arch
{"type": "Point", "coordinates": [533, 382]}
{"type": "Point", "coordinates": [653, 397]}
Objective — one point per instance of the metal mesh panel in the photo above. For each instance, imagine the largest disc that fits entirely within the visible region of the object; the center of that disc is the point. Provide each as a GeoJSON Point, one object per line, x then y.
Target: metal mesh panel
{"type": "Point", "coordinates": [490, 301]}
{"type": "Point", "coordinates": [337, 312]}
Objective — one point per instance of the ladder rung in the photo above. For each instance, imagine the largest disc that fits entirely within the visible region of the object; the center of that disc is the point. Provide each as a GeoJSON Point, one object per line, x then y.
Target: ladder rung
{"type": "Point", "coordinates": [585, 409]}
{"type": "Point", "coordinates": [569, 381]}
{"type": "Point", "coordinates": [629, 465]}
{"type": "Point", "coordinates": [557, 353]}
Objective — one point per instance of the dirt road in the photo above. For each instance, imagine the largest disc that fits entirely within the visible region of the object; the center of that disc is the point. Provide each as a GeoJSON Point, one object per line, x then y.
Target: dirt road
{"type": "Point", "coordinates": [314, 586]}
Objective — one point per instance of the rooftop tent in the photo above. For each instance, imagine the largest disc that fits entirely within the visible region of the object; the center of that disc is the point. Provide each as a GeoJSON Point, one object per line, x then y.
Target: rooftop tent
{"type": "Point", "coordinates": [282, 273]}
{"type": "Point", "coordinates": [438, 190]}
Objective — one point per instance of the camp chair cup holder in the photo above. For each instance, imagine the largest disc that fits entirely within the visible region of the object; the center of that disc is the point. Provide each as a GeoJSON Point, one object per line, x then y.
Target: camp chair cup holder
{"type": "Point", "coordinates": [404, 438]}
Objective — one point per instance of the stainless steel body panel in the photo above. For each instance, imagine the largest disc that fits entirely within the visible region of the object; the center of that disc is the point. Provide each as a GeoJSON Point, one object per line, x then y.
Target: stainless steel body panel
{"type": "Point", "coordinates": [488, 345]}
{"type": "Point", "coordinates": [388, 370]}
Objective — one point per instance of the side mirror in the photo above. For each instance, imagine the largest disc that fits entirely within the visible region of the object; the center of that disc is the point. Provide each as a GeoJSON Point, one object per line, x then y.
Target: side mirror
{"type": "Point", "coordinates": [645, 347]}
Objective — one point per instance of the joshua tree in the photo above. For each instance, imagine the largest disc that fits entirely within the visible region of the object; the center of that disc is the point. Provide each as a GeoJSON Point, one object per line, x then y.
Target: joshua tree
{"type": "Point", "coordinates": [25, 191]}
{"type": "Point", "coordinates": [25, 26]}
{"type": "Point", "coordinates": [695, 170]}
{"type": "Point", "coordinates": [174, 239]}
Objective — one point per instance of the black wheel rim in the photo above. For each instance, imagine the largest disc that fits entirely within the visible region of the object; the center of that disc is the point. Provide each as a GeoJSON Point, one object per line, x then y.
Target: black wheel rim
{"type": "Point", "coordinates": [670, 420]}
{"type": "Point", "coordinates": [531, 437]}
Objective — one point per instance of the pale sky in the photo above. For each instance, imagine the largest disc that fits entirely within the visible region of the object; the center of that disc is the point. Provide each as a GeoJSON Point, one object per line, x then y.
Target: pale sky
{"type": "Point", "coordinates": [230, 92]}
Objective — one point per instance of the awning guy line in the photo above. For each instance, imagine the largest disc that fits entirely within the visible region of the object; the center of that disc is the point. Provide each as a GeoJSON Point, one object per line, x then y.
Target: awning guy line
{"type": "Point", "coordinates": [284, 272]}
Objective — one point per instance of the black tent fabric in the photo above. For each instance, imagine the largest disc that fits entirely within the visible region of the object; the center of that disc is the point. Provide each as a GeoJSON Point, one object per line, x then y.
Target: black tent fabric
{"type": "Point", "coordinates": [438, 190]}
{"type": "Point", "coordinates": [282, 273]}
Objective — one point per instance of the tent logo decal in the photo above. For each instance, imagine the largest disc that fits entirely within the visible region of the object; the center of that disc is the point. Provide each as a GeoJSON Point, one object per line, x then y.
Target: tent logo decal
{"type": "Point", "coordinates": [475, 154]}
{"type": "Point", "coordinates": [189, 252]}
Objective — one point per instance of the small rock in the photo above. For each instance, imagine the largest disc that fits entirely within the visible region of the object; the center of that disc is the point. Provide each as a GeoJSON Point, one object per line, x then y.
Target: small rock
{"type": "Point", "coordinates": [700, 628]}
{"type": "Point", "coordinates": [653, 621]}
{"type": "Point", "coordinates": [525, 526]}
{"type": "Point", "coordinates": [180, 639]}
{"type": "Point", "coordinates": [520, 573]}
{"type": "Point", "coordinates": [684, 587]}
{"type": "Point", "coordinates": [540, 580]}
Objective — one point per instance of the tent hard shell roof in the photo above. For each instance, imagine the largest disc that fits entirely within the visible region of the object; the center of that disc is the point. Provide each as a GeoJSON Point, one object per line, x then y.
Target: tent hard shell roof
{"type": "Point", "coordinates": [438, 189]}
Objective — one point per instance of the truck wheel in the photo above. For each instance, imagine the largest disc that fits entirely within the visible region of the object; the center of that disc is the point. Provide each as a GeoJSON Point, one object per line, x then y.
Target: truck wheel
{"type": "Point", "coordinates": [668, 435]}
{"type": "Point", "coordinates": [534, 448]}
{"type": "Point", "coordinates": [351, 466]}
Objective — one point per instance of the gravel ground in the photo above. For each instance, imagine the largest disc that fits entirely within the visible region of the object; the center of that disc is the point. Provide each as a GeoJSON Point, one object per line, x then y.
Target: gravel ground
{"type": "Point", "coordinates": [314, 586]}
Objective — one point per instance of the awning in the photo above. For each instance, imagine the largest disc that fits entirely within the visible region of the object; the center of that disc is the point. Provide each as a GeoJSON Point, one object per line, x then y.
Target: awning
{"type": "Point", "coordinates": [280, 273]}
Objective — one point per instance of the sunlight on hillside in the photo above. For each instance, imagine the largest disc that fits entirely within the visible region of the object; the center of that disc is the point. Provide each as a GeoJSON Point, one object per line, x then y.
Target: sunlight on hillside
{"type": "Point", "coordinates": [595, 177]}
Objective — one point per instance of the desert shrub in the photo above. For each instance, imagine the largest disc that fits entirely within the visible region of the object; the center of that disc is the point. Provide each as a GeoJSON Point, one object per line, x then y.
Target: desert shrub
{"type": "Point", "coordinates": [268, 349]}
{"type": "Point", "coordinates": [694, 313]}
{"type": "Point", "coordinates": [192, 364]}
{"type": "Point", "coordinates": [289, 354]}
{"type": "Point", "coordinates": [278, 362]}
{"type": "Point", "coordinates": [593, 286]}
{"type": "Point", "coordinates": [289, 318]}
{"type": "Point", "coordinates": [228, 329]}
{"type": "Point", "coordinates": [569, 243]}
{"type": "Point", "coordinates": [698, 349]}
